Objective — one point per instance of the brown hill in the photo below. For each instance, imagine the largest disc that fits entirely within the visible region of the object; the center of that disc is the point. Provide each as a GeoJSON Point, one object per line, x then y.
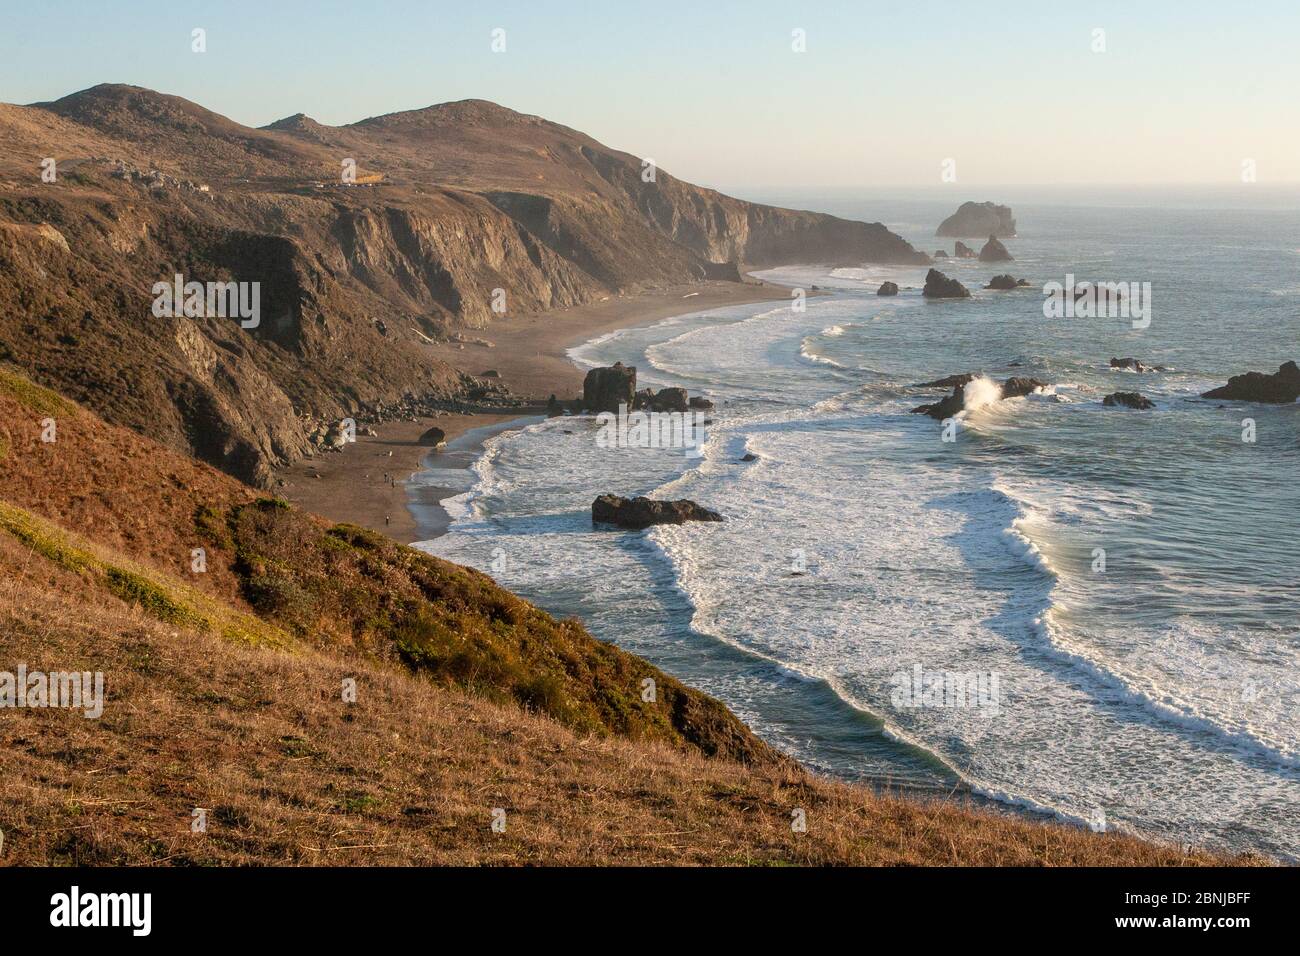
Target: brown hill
{"type": "Point", "coordinates": [224, 692]}
{"type": "Point", "coordinates": [451, 204]}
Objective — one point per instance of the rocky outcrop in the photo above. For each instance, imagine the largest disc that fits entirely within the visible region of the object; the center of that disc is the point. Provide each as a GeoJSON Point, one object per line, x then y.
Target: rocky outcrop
{"type": "Point", "coordinates": [1006, 282]}
{"type": "Point", "coordinates": [1280, 388]}
{"type": "Point", "coordinates": [1128, 400]}
{"type": "Point", "coordinates": [1015, 387]}
{"type": "Point", "coordinates": [963, 251]}
{"type": "Point", "coordinates": [671, 399]}
{"type": "Point", "coordinates": [979, 219]}
{"type": "Point", "coordinates": [1129, 363]}
{"type": "Point", "coordinates": [994, 251]}
{"type": "Point", "coordinates": [1019, 386]}
{"type": "Point", "coordinates": [700, 403]}
{"type": "Point", "coordinates": [638, 513]}
{"type": "Point", "coordinates": [887, 288]}
{"type": "Point", "coordinates": [945, 407]}
{"type": "Point", "coordinates": [604, 389]}
{"type": "Point", "coordinates": [940, 254]}
{"type": "Point", "coordinates": [951, 381]}
{"type": "Point", "coordinates": [939, 286]}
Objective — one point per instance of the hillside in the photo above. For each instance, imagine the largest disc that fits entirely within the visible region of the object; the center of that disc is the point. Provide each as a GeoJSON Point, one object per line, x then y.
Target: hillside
{"type": "Point", "coordinates": [451, 203]}
{"type": "Point", "coordinates": [224, 692]}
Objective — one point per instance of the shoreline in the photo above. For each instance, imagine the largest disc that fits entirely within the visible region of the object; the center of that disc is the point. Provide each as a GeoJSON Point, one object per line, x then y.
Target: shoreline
{"type": "Point", "coordinates": [376, 482]}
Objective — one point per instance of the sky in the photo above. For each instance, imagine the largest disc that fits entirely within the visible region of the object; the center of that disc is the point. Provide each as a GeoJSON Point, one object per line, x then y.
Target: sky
{"type": "Point", "coordinates": [882, 93]}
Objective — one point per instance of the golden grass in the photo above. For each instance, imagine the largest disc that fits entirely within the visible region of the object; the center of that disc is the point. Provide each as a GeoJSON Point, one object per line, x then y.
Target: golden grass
{"type": "Point", "coordinates": [411, 773]}
{"type": "Point", "coordinates": [167, 600]}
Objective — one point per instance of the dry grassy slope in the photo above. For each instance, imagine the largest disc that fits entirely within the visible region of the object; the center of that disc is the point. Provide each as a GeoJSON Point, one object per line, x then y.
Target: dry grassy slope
{"type": "Point", "coordinates": [475, 198]}
{"type": "Point", "coordinates": [224, 691]}
{"type": "Point", "coordinates": [409, 774]}
{"type": "Point", "coordinates": [137, 511]}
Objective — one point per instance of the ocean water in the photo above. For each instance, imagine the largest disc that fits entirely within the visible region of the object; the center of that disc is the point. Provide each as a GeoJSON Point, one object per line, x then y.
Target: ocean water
{"type": "Point", "coordinates": [1129, 580]}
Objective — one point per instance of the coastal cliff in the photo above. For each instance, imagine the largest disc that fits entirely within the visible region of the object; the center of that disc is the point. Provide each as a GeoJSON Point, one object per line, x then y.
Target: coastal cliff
{"type": "Point", "coordinates": [368, 241]}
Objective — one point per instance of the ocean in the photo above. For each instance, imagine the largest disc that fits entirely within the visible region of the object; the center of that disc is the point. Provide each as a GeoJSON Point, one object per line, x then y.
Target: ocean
{"type": "Point", "coordinates": [1121, 587]}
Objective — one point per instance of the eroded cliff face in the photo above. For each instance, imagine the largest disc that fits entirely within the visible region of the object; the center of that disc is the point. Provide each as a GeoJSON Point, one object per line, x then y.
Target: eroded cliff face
{"type": "Point", "coordinates": [472, 212]}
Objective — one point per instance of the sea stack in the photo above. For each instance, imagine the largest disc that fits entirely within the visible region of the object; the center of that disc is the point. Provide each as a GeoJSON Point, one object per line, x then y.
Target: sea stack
{"type": "Point", "coordinates": [604, 389]}
{"type": "Point", "coordinates": [1006, 282]}
{"type": "Point", "coordinates": [979, 219]}
{"type": "Point", "coordinates": [939, 286]}
{"type": "Point", "coordinates": [1281, 388]}
{"type": "Point", "coordinates": [994, 251]}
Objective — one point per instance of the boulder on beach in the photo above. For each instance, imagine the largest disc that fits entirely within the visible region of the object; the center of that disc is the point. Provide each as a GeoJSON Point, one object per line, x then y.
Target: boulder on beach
{"type": "Point", "coordinates": [963, 251]}
{"type": "Point", "coordinates": [979, 219]}
{"type": "Point", "coordinates": [1128, 400]}
{"type": "Point", "coordinates": [604, 389]}
{"type": "Point", "coordinates": [887, 288]}
{"type": "Point", "coordinates": [1005, 282]}
{"type": "Point", "coordinates": [638, 513]}
{"type": "Point", "coordinates": [433, 438]}
{"type": "Point", "coordinates": [1280, 388]}
{"type": "Point", "coordinates": [994, 251]}
{"type": "Point", "coordinates": [939, 286]}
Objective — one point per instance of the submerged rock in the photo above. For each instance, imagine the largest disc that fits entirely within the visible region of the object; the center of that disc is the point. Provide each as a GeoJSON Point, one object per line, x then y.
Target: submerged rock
{"type": "Point", "coordinates": [979, 219]}
{"type": "Point", "coordinates": [1128, 400]}
{"type": "Point", "coordinates": [637, 513]}
{"type": "Point", "coordinates": [1130, 363]}
{"type": "Point", "coordinates": [887, 288]}
{"type": "Point", "coordinates": [994, 251]}
{"type": "Point", "coordinates": [939, 286]}
{"type": "Point", "coordinates": [1279, 388]}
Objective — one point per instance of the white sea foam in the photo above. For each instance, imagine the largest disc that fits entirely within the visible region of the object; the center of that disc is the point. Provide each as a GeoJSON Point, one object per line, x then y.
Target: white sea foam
{"type": "Point", "coordinates": [967, 557]}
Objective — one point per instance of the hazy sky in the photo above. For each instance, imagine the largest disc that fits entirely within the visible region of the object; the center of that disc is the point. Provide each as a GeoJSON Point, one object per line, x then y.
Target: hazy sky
{"type": "Point", "coordinates": [885, 92]}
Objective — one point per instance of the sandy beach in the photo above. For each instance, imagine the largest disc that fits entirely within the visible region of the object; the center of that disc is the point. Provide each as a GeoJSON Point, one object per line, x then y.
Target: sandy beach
{"type": "Point", "coordinates": [369, 482]}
